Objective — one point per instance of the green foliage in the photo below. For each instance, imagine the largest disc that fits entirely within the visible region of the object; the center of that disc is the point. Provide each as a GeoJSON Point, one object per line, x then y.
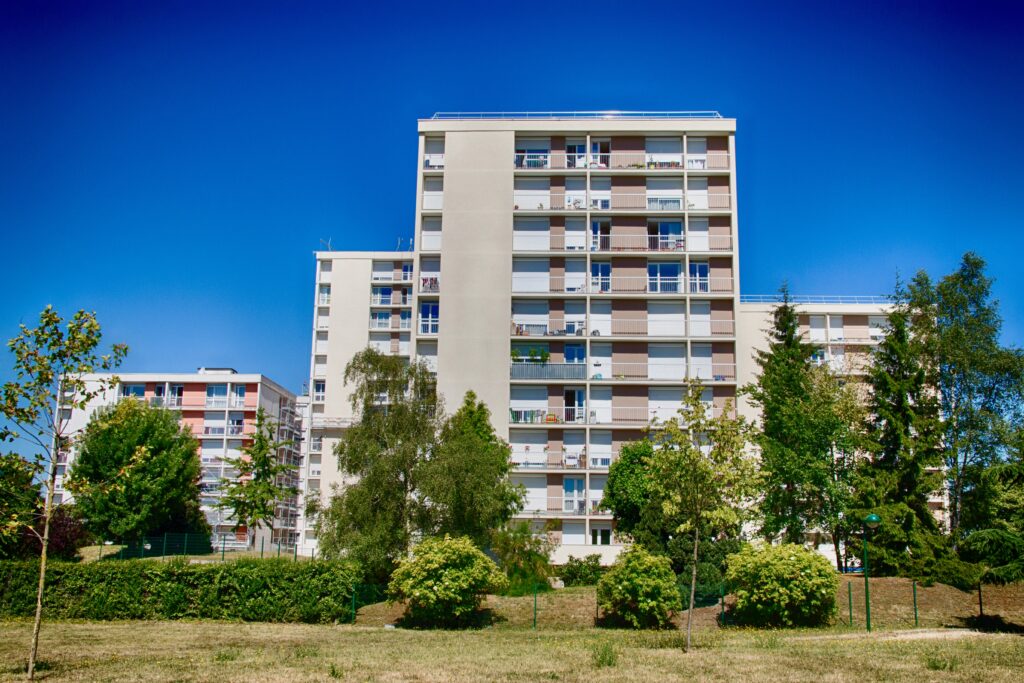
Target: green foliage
{"type": "Point", "coordinates": [251, 496]}
{"type": "Point", "coordinates": [793, 461]}
{"type": "Point", "coordinates": [248, 590]}
{"type": "Point", "coordinates": [20, 505]}
{"type": "Point", "coordinates": [639, 590]}
{"type": "Point", "coordinates": [137, 473]}
{"type": "Point", "coordinates": [604, 655]}
{"type": "Point", "coordinates": [416, 474]}
{"type": "Point", "coordinates": [627, 492]}
{"type": "Point", "coordinates": [782, 586]}
{"type": "Point", "coordinates": [444, 582]}
{"type": "Point", "coordinates": [713, 553]}
{"type": "Point", "coordinates": [979, 381]}
{"type": "Point", "coordinates": [524, 556]}
{"type": "Point", "coordinates": [901, 545]}
{"type": "Point", "coordinates": [1000, 551]}
{"type": "Point", "coordinates": [955, 572]}
{"type": "Point", "coordinates": [582, 572]}
{"type": "Point", "coordinates": [466, 477]}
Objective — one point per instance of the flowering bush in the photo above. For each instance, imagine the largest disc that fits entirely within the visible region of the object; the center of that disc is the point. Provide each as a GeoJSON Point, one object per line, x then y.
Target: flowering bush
{"type": "Point", "coordinates": [782, 585]}
{"type": "Point", "coordinates": [444, 582]}
{"type": "Point", "coordinates": [639, 590]}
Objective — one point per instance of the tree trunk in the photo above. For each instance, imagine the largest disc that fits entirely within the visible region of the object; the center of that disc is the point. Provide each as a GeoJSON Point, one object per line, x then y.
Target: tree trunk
{"type": "Point", "coordinates": [693, 586]}
{"type": "Point", "coordinates": [47, 511]}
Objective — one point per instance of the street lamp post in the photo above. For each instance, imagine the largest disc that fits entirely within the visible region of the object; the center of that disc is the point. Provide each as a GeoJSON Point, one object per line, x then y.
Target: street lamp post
{"type": "Point", "coordinates": [870, 522]}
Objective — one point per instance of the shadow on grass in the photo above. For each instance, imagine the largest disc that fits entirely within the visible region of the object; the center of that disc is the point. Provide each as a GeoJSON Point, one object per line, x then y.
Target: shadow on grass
{"type": "Point", "coordinates": [481, 618]}
{"type": "Point", "coordinates": [991, 623]}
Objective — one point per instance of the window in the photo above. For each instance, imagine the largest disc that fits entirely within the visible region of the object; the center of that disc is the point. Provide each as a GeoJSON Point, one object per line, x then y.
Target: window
{"type": "Point", "coordinates": [316, 443]}
{"type": "Point", "coordinates": [381, 295]}
{"type": "Point", "coordinates": [406, 272]}
{"type": "Point", "coordinates": [600, 235]}
{"type": "Point", "coordinates": [176, 395]}
{"type": "Point", "coordinates": [663, 277]}
{"type": "Point", "coordinates": [236, 424]}
{"type": "Point", "coordinates": [573, 495]}
{"type": "Point", "coordinates": [600, 536]}
{"type": "Point", "coordinates": [216, 395]}
{"type": "Point", "coordinates": [600, 277]}
{"type": "Point", "coordinates": [575, 353]}
{"type": "Point", "coordinates": [325, 295]}
{"type": "Point", "coordinates": [380, 320]}
{"type": "Point", "coordinates": [878, 325]}
{"type": "Point", "coordinates": [133, 390]}
{"type": "Point", "coordinates": [429, 317]}
{"type": "Point", "coordinates": [319, 389]}
{"type": "Point", "coordinates": [238, 395]}
{"type": "Point", "coordinates": [700, 276]}
{"type": "Point", "coordinates": [665, 236]}
{"type": "Point", "coordinates": [405, 320]}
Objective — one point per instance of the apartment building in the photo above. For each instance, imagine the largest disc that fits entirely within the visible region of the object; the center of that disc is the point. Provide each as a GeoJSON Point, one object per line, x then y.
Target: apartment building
{"type": "Point", "coordinates": [219, 405]}
{"type": "Point", "coordinates": [577, 271]}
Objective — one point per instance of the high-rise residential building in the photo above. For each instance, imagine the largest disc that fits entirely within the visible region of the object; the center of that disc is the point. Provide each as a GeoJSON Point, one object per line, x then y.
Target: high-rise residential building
{"type": "Point", "coordinates": [219, 406]}
{"type": "Point", "coordinates": [577, 271]}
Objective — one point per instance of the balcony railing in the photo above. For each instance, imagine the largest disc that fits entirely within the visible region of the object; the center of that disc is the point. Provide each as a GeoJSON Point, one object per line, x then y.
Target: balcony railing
{"type": "Point", "coordinates": [429, 326]}
{"type": "Point", "coordinates": [325, 422]}
{"type": "Point", "coordinates": [235, 430]}
{"type": "Point", "coordinates": [557, 459]}
{"type": "Point", "coordinates": [216, 401]}
{"type": "Point", "coordinates": [213, 431]}
{"type": "Point", "coordinates": [430, 284]}
{"type": "Point", "coordinates": [652, 372]}
{"type": "Point", "coordinates": [542, 160]}
{"type": "Point", "coordinates": [433, 161]}
{"type": "Point", "coordinates": [237, 401]}
{"type": "Point", "coordinates": [552, 415]}
{"type": "Point", "coordinates": [565, 329]}
{"type": "Point", "coordinates": [620, 284]}
{"type": "Point", "coordinates": [637, 243]}
{"type": "Point", "coordinates": [393, 300]}
{"type": "Point", "coordinates": [324, 300]}
{"type": "Point", "coordinates": [527, 370]}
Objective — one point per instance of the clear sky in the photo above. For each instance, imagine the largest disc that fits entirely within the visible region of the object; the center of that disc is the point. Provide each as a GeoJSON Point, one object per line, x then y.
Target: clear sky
{"type": "Point", "coordinates": [173, 166]}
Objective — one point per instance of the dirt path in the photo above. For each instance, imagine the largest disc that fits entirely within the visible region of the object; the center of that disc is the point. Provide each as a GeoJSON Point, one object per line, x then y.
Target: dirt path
{"type": "Point", "coordinates": [917, 634]}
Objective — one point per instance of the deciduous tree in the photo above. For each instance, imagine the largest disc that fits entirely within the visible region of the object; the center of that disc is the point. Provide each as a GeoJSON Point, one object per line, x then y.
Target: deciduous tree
{"type": "Point", "coordinates": [50, 363]}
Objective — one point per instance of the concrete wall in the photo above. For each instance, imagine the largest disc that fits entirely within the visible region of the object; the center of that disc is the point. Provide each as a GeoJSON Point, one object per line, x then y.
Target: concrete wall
{"type": "Point", "coordinates": [473, 344]}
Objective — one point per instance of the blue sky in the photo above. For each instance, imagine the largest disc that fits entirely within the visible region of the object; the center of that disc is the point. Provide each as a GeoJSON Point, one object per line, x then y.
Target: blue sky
{"type": "Point", "coordinates": [173, 166]}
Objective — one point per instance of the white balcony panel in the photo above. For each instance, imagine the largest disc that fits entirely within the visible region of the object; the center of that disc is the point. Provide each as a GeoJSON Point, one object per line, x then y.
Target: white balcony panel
{"type": "Point", "coordinates": [600, 448]}
{"type": "Point", "coordinates": [433, 194]}
{"type": "Point", "coordinates": [700, 362]}
{"type": "Point", "coordinates": [530, 275]}
{"type": "Point", "coordinates": [697, 193]}
{"type": "Point", "coordinates": [574, 533]}
{"type": "Point", "coordinates": [697, 236]}
{"type": "Point", "coordinates": [664, 404]}
{"type": "Point", "coordinates": [536, 491]}
{"type": "Point", "coordinates": [666, 318]}
{"type": "Point", "coordinates": [666, 361]}
{"type": "Point", "coordinates": [601, 318]}
{"type": "Point", "coordinates": [528, 447]}
{"type": "Point", "coordinates": [531, 234]}
{"type": "Point", "coordinates": [700, 318]}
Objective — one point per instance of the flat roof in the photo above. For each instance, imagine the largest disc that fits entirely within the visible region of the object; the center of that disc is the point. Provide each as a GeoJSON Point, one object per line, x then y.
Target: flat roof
{"type": "Point", "coordinates": [606, 114]}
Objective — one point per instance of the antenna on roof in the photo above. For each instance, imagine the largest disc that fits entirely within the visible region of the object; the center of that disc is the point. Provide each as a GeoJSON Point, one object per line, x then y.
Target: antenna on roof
{"type": "Point", "coordinates": [326, 244]}
{"type": "Point", "coordinates": [398, 247]}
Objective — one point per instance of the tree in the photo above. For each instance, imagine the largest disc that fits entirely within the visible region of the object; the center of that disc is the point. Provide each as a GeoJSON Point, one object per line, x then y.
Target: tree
{"type": "Point", "coordinates": [524, 557]}
{"type": "Point", "coordinates": [137, 473]}
{"type": "Point", "coordinates": [702, 475]}
{"type": "Point", "coordinates": [19, 503]}
{"type": "Point", "coordinates": [836, 413]}
{"type": "Point", "coordinates": [979, 381]}
{"type": "Point", "coordinates": [413, 472]}
{"type": "Point", "coordinates": [252, 495]}
{"type": "Point", "coordinates": [50, 364]}
{"type": "Point", "coordinates": [904, 440]}
{"type": "Point", "coordinates": [795, 465]}
{"type": "Point", "coordinates": [465, 478]}
{"type": "Point", "coordinates": [373, 519]}
{"type": "Point", "coordinates": [627, 492]}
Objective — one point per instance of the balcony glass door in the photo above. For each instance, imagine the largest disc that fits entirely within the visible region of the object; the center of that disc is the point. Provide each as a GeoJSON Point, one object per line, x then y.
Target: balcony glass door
{"type": "Point", "coordinates": [575, 154]}
{"type": "Point", "coordinates": [429, 316]}
{"type": "Point", "coordinates": [700, 277]}
{"type": "Point", "coordinates": [665, 236]}
{"type": "Point", "coordinates": [573, 495]}
{"type": "Point", "coordinates": [600, 277]}
{"type": "Point", "coordinates": [575, 401]}
{"type": "Point", "coordinates": [600, 235]}
{"type": "Point", "coordinates": [663, 278]}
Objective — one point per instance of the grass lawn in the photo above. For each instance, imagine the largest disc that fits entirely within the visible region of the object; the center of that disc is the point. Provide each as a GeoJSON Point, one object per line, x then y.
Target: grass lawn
{"type": "Point", "coordinates": [566, 647]}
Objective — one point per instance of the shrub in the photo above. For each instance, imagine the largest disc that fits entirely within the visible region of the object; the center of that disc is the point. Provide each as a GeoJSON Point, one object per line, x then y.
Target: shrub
{"type": "Point", "coordinates": [523, 556]}
{"type": "Point", "coordinates": [249, 590]}
{"type": "Point", "coordinates": [585, 572]}
{"type": "Point", "coordinates": [956, 573]}
{"type": "Point", "coordinates": [782, 585]}
{"type": "Point", "coordinates": [604, 654]}
{"type": "Point", "coordinates": [639, 590]}
{"type": "Point", "coordinates": [444, 581]}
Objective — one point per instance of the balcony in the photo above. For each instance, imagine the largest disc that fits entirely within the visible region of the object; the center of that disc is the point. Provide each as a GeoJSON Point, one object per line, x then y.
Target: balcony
{"type": "Point", "coordinates": [625, 161]}
{"type": "Point", "coordinates": [325, 422]}
{"type": "Point", "coordinates": [213, 431]}
{"type": "Point", "coordinates": [216, 401]}
{"type": "Point", "coordinates": [550, 415]}
{"type": "Point", "coordinates": [430, 284]}
{"type": "Point", "coordinates": [565, 329]}
{"type": "Point", "coordinates": [661, 243]}
{"type": "Point", "coordinates": [429, 327]}
{"type": "Point", "coordinates": [531, 370]}
{"type": "Point", "coordinates": [389, 300]}
{"type": "Point", "coordinates": [433, 161]}
{"type": "Point", "coordinates": [668, 372]}
{"type": "Point", "coordinates": [619, 284]}
{"type": "Point", "coordinates": [549, 460]}
{"type": "Point", "coordinates": [238, 401]}
{"type": "Point", "coordinates": [324, 300]}
{"type": "Point", "coordinates": [236, 430]}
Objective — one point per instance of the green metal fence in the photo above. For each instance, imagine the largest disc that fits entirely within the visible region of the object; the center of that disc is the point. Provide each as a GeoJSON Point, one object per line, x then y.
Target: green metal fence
{"type": "Point", "coordinates": [164, 545]}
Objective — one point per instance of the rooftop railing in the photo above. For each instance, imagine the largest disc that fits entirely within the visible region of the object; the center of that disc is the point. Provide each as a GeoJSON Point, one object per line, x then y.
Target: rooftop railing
{"type": "Point", "coordinates": [815, 299]}
{"type": "Point", "coordinates": [607, 114]}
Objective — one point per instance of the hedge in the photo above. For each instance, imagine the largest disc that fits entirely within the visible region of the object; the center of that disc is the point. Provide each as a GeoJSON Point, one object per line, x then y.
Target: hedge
{"type": "Point", "coordinates": [247, 590]}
